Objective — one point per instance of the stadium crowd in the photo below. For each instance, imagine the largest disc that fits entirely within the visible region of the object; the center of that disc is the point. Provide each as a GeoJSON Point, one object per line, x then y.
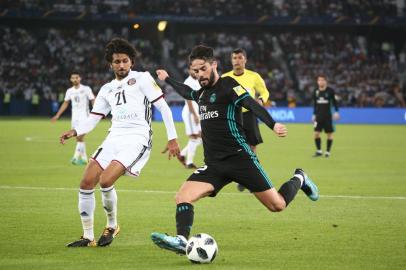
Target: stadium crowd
{"type": "Point", "coordinates": [363, 71]}
{"type": "Point", "coordinates": [220, 8]}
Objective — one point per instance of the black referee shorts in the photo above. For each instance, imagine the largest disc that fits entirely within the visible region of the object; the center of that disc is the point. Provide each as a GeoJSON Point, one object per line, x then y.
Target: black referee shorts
{"type": "Point", "coordinates": [251, 128]}
{"type": "Point", "coordinates": [325, 124]}
{"type": "Point", "coordinates": [240, 168]}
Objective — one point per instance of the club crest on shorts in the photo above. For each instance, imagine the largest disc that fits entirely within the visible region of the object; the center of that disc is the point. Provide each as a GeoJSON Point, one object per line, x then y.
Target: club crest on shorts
{"type": "Point", "coordinates": [213, 98]}
{"type": "Point", "coordinates": [131, 81]}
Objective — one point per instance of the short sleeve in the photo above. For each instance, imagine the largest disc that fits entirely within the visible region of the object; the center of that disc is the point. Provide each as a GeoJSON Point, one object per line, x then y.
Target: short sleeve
{"type": "Point", "coordinates": [101, 105]}
{"type": "Point", "coordinates": [260, 88]}
{"type": "Point", "coordinates": [150, 88]}
{"type": "Point", "coordinates": [67, 96]}
{"type": "Point", "coordinates": [90, 94]}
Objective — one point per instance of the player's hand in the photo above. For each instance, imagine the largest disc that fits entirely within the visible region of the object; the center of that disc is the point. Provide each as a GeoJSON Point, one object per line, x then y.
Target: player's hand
{"type": "Point", "coordinates": [54, 119]}
{"type": "Point", "coordinates": [173, 148]}
{"type": "Point", "coordinates": [280, 130]}
{"type": "Point", "coordinates": [260, 102]}
{"type": "Point", "coordinates": [336, 116]}
{"type": "Point", "coordinates": [67, 135]}
{"type": "Point", "coordinates": [162, 74]}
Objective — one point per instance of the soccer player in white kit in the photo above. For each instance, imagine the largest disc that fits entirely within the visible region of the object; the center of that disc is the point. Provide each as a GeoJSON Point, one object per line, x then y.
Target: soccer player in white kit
{"type": "Point", "coordinates": [79, 95]}
{"type": "Point", "coordinates": [127, 146]}
{"type": "Point", "coordinates": [190, 116]}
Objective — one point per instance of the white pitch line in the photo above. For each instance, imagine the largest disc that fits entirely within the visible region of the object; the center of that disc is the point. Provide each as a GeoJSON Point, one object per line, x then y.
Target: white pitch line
{"type": "Point", "coordinates": [226, 193]}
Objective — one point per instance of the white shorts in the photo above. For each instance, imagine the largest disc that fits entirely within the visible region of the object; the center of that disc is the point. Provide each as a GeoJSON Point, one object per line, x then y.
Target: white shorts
{"type": "Point", "coordinates": [125, 149]}
{"type": "Point", "coordinates": [190, 125]}
{"type": "Point", "coordinates": [76, 122]}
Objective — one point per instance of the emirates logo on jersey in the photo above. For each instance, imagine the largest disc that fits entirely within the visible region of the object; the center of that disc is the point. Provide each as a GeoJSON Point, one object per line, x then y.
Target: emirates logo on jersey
{"type": "Point", "coordinates": [131, 81]}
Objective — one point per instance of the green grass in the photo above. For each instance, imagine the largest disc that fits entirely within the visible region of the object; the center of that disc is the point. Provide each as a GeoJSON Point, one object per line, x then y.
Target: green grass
{"type": "Point", "coordinates": [38, 213]}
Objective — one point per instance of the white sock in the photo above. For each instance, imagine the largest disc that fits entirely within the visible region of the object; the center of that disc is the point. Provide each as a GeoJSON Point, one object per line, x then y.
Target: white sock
{"type": "Point", "coordinates": [82, 150]}
{"type": "Point", "coordinates": [300, 178]}
{"type": "Point", "coordinates": [193, 144]}
{"type": "Point", "coordinates": [87, 204]}
{"type": "Point", "coordinates": [109, 199]}
{"type": "Point", "coordinates": [184, 150]}
{"type": "Point", "coordinates": [76, 155]}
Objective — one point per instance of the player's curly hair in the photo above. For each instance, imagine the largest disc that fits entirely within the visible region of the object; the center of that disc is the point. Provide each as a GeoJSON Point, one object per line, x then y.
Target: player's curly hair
{"type": "Point", "coordinates": [120, 45]}
{"type": "Point", "coordinates": [202, 52]}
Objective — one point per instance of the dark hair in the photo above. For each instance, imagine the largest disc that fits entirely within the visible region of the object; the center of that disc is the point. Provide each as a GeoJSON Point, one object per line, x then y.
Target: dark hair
{"type": "Point", "coordinates": [240, 50]}
{"type": "Point", "coordinates": [321, 75]}
{"type": "Point", "coordinates": [74, 73]}
{"type": "Point", "coordinates": [119, 45]}
{"type": "Point", "coordinates": [202, 52]}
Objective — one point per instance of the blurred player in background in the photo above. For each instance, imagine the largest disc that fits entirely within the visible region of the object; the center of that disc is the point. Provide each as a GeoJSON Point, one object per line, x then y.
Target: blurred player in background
{"type": "Point", "coordinates": [256, 87]}
{"type": "Point", "coordinates": [79, 95]}
{"type": "Point", "coordinates": [127, 147]}
{"type": "Point", "coordinates": [227, 155]}
{"type": "Point", "coordinates": [324, 103]}
{"type": "Point", "coordinates": [190, 116]}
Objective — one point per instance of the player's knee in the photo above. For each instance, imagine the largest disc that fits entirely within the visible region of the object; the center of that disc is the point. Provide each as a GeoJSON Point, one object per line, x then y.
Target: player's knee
{"type": "Point", "coordinates": [87, 183]}
{"type": "Point", "coordinates": [182, 197]}
{"type": "Point", "coordinates": [105, 181]}
{"type": "Point", "coordinates": [277, 207]}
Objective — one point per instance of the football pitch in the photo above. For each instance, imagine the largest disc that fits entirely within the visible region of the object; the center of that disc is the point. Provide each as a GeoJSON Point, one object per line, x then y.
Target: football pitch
{"type": "Point", "coordinates": [358, 223]}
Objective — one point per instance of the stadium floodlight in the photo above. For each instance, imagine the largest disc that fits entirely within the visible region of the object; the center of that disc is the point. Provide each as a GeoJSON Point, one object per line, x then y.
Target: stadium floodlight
{"type": "Point", "coordinates": [162, 26]}
{"type": "Point", "coordinates": [136, 26]}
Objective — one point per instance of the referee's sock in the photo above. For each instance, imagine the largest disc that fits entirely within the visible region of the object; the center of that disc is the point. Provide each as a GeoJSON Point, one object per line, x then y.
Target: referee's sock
{"type": "Point", "coordinates": [184, 219]}
{"type": "Point", "coordinates": [290, 188]}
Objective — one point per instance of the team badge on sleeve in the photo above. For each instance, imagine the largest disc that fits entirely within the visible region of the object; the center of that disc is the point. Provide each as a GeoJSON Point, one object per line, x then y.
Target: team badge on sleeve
{"type": "Point", "coordinates": [239, 90]}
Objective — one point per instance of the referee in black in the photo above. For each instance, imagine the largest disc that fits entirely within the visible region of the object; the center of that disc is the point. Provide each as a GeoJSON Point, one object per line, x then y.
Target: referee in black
{"type": "Point", "coordinates": [324, 103]}
{"type": "Point", "coordinates": [227, 155]}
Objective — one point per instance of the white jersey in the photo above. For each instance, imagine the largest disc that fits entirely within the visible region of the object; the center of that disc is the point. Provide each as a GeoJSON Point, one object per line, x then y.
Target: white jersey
{"type": "Point", "coordinates": [191, 127]}
{"type": "Point", "coordinates": [129, 101]}
{"type": "Point", "coordinates": [79, 98]}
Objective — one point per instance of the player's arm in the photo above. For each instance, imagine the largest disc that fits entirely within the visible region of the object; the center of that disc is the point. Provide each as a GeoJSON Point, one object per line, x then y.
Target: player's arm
{"type": "Point", "coordinates": [249, 103]}
{"type": "Point", "coordinates": [61, 110]}
{"type": "Point", "coordinates": [166, 113]}
{"type": "Point", "coordinates": [336, 115]}
{"type": "Point", "coordinates": [85, 127]}
{"type": "Point", "coordinates": [182, 89]}
{"type": "Point", "coordinates": [314, 106]}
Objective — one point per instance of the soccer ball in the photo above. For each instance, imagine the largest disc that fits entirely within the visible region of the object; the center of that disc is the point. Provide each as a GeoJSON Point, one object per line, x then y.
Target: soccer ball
{"type": "Point", "coordinates": [201, 248]}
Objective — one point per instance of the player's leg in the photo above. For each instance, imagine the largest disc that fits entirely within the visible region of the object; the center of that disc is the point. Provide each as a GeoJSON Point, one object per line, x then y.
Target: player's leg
{"type": "Point", "coordinates": [329, 130]}
{"type": "Point", "coordinates": [87, 203]}
{"type": "Point", "coordinates": [277, 201]}
{"type": "Point", "coordinates": [109, 199]}
{"type": "Point", "coordinates": [81, 159]}
{"type": "Point", "coordinates": [317, 141]}
{"type": "Point", "coordinates": [194, 142]}
{"type": "Point", "coordinates": [189, 192]}
{"type": "Point", "coordinates": [205, 181]}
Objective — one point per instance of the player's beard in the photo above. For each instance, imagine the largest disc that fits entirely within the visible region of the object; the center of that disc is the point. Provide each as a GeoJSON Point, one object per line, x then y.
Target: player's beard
{"type": "Point", "coordinates": [210, 82]}
{"type": "Point", "coordinates": [122, 74]}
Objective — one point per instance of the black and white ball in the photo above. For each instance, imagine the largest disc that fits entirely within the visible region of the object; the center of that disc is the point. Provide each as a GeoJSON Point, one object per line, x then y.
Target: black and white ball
{"type": "Point", "coordinates": [201, 248]}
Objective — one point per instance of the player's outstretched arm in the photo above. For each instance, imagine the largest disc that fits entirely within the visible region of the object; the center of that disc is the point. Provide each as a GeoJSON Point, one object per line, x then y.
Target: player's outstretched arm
{"type": "Point", "coordinates": [262, 113]}
{"type": "Point", "coordinates": [182, 89]}
{"type": "Point", "coordinates": [172, 147]}
{"type": "Point", "coordinates": [63, 107]}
